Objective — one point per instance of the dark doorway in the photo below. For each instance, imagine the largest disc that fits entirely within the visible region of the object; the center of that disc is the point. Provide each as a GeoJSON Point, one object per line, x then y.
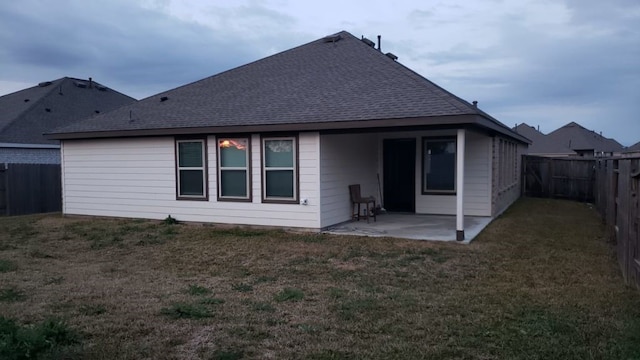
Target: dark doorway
{"type": "Point", "coordinates": [399, 164]}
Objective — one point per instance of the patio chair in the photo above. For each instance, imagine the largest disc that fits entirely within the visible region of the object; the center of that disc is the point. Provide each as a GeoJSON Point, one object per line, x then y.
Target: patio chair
{"type": "Point", "coordinates": [357, 200]}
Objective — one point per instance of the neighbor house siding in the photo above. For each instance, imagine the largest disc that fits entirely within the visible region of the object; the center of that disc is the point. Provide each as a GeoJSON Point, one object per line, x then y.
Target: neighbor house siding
{"type": "Point", "coordinates": [477, 192]}
{"type": "Point", "coordinates": [29, 156]}
{"type": "Point", "coordinates": [345, 159]}
{"type": "Point", "coordinates": [136, 178]}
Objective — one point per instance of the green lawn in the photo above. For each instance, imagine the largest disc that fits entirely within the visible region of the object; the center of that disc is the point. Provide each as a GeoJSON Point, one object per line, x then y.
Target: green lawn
{"type": "Point", "coordinates": [540, 282]}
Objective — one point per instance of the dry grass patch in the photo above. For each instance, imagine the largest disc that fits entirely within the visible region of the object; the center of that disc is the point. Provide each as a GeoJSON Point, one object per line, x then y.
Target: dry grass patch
{"type": "Point", "coordinates": [540, 282]}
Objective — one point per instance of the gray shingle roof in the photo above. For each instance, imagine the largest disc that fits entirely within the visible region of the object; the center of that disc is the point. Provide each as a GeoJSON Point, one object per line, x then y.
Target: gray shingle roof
{"type": "Point", "coordinates": [24, 116]}
{"type": "Point", "coordinates": [541, 144]}
{"type": "Point", "coordinates": [634, 147]}
{"type": "Point", "coordinates": [317, 83]}
{"type": "Point", "coordinates": [576, 137]}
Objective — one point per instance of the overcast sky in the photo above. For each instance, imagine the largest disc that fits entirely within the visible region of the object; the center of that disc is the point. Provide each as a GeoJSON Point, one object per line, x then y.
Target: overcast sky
{"type": "Point", "coordinates": [543, 62]}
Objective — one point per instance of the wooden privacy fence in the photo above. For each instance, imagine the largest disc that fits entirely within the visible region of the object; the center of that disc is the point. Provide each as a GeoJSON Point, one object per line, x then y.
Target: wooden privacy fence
{"type": "Point", "coordinates": [617, 186]}
{"type": "Point", "coordinates": [558, 178]}
{"type": "Point", "coordinates": [30, 188]}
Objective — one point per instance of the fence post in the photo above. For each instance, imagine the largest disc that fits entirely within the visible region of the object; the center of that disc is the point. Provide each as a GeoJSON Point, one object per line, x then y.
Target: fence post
{"type": "Point", "coordinates": [634, 222]}
{"type": "Point", "coordinates": [622, 218]}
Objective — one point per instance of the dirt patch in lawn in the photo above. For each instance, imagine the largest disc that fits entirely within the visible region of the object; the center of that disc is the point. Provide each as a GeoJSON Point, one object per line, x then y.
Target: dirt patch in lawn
{"type": "Point", "coordinates": [539, 282]}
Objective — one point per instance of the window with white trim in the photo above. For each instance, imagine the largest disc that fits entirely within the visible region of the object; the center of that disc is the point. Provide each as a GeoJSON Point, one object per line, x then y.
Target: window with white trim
{"type": "Point", "coordinates": [233, 169]}
{"type": "Point", "coordinates": [279, 169]}
{"type": "Point", "coordinates": [439, 165]}
{"type": "Point", "coordinates": [191, 169]}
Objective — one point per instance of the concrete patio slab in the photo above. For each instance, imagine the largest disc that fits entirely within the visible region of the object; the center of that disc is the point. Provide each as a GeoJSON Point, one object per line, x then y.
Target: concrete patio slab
{"type": "Point", "coordinates": [412, 226]}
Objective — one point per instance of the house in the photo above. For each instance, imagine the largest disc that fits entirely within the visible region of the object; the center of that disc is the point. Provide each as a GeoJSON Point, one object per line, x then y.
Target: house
{"type": "Point", "coordinates": [541, 144]}
{"type": "Point", "coordinates": [632, 151]}
{"type": "Point", "coordinates": [585, 143]}
{"type": "Point", "coordinates": [26, 114]}
{"type": "Point", "coordinates": [278, 141]}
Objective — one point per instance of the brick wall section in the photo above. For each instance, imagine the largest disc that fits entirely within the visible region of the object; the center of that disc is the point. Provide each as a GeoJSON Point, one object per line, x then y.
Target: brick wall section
{"type": "Point", "coordinates": [29, 156]}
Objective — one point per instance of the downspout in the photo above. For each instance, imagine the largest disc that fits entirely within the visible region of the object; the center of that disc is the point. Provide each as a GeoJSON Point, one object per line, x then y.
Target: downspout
{"type": "Point", "coordinates": [460, 184]}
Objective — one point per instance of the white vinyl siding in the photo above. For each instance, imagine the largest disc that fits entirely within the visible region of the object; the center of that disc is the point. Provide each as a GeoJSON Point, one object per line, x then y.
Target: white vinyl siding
{"type": "Point", "coordinates": [346, 159]}
{"type": "Point", "coordinates": [477, 192]}
{"type": "Point", "coordinates": [136, 178]}
{"type": "Point", "coordinates": [477, 182]}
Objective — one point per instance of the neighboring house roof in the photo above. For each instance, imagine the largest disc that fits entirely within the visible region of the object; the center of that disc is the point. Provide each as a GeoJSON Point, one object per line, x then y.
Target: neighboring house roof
{"type": "Point", "coordinates": [26, 114]}
{"type": "Point", "coordinates": [541, 144]}
{"type": "Point", "coordinates": [633, 148]}
{"type": "Point", "coordinates": [578, 138]}
{"type": "Point", "coordinates": [337, 82]}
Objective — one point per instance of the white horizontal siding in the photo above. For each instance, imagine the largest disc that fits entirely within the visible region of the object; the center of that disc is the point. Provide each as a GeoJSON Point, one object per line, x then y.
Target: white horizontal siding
{"type": "Point", "coordinates": [77, 169]}
{"type": "Point", "coordinates": [345, 159]}
{"type": "Point", "coordinates": [477, 194]}
{"type": "Point", "coordinates": [477, 182]}
{"type": "Point", "coordinates": [136, 178]}
{"type": "Point", "coordinates": [112, 178]}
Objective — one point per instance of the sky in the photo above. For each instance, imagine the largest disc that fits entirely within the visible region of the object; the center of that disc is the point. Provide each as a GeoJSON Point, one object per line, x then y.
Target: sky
{"type": "Point", "coordinates": [541, 62]}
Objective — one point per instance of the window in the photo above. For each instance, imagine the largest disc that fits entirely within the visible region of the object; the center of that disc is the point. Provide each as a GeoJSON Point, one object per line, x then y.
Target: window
{"type": "Point", "coordinates": [233, 169]}
{"type": "Point", "coordinates": [191, 171]}
{"type": "Point", "coordinates": [438, 165]}
{"type": "Point", "coordinates": [279, 169]}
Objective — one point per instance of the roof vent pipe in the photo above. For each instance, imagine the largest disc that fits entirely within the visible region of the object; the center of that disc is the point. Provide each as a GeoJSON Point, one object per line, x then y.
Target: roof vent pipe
{"type": "Point", "coordinates": [475, 103]}
{"type": "Point", "coordinates": [379, 40]}
{"type": "Point", "coordinates": [90, 83]}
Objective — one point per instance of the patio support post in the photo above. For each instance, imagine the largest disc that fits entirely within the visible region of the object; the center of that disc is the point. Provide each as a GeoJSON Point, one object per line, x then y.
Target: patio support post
{"type": "Point", "coordinates": [460, 185]}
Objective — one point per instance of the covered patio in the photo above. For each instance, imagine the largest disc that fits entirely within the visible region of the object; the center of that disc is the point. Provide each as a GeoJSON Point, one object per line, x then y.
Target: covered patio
{"type": "Point", "coordinates": [413, 226]}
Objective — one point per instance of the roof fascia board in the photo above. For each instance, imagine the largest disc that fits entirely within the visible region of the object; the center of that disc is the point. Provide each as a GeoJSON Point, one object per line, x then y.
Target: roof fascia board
{"type": "Point", "coordinates": [490, 124]}
{"type": "Point", "coordinates": [369, 125]}
{"type": "Point", "coordinates": [337, 125]}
